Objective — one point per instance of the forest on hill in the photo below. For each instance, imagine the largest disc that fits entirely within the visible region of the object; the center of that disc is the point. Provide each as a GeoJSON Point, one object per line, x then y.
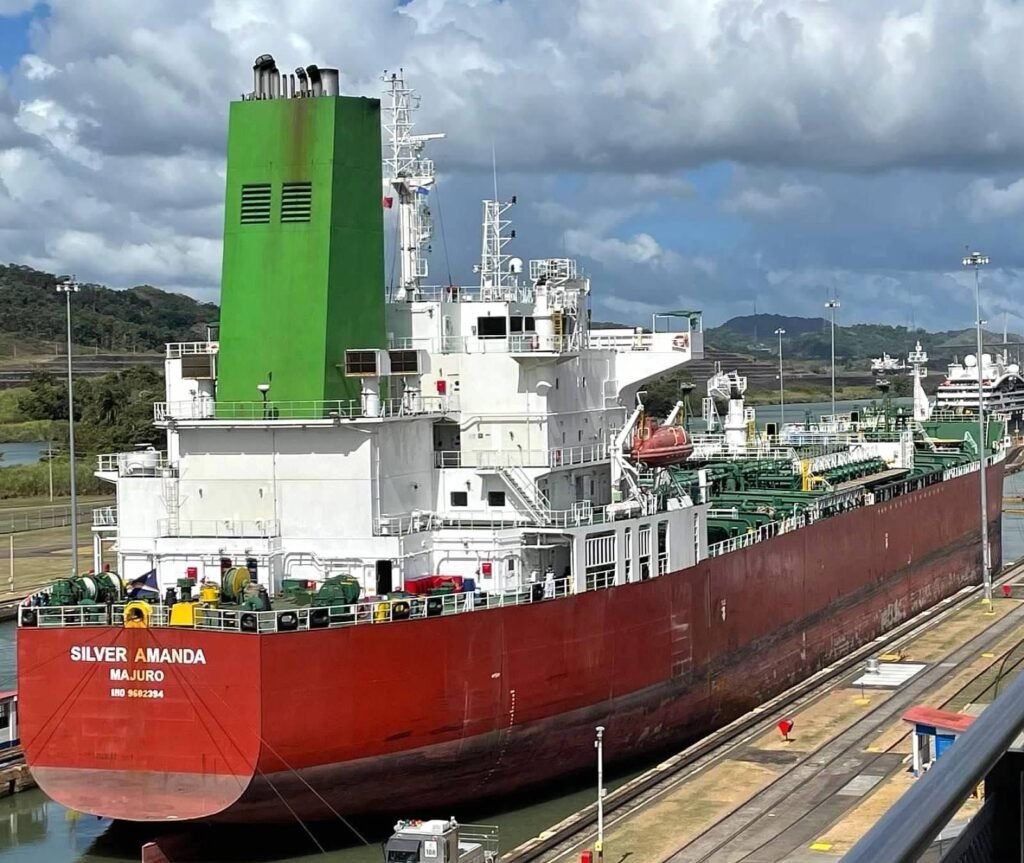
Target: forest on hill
{"type": "Point", "coordinates": [810, 339]}
{"type": "Point", "coordinates": [143, 318]}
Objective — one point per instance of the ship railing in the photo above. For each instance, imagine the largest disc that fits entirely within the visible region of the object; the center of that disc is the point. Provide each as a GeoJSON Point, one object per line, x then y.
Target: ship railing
{"type": "Point", "coordinates": [337, 409]}
{"type": "Point", "coordinates": [484, 835]}
{"type": "Point", "coordinates": [524, 343]}
{"type": "Point", "coordinates": [715, 445]}
{"type": "Point", "coordinates": [600, 578]}
{"type": "Point", "coordinates": [621, 340]}
{"type": "Point", "coordinates": [557, 457]}
{"type": "Point", "coordinates": [370, 611]}
{"type": "Point", "coordinates": [960, 470]}
{"type": "Point", "coordinates": [182, 349]}
{"type": "Point", "coordinates": [405, 524]}
{"type": "Point", "coordinates": [142, 462]}
{"type": "Point", "coordinates": [760, 534]}
{"type": "Point", "coordinates": [217, 528]}
{"type": "Point", "coordinates": [581, 514]}
{"type": "Point", "coordinates": [104, 516]}
{"type": "Point", "coordinates": [467, 294]}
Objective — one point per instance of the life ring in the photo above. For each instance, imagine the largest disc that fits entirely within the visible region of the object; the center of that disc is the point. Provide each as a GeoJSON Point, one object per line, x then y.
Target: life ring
{"type": "Point", "coordinates": [137, 614]}
{"type": "Point", "coordinates": [681, 342]}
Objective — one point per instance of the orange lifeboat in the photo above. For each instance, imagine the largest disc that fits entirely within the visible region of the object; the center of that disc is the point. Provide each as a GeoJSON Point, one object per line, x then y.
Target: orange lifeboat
{"type": "Point", "coordinates": [660, 446]}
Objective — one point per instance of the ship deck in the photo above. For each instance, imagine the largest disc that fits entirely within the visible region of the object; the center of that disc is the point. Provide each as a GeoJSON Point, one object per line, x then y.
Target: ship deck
{"type": "Point", "coordinates": [746, 794]}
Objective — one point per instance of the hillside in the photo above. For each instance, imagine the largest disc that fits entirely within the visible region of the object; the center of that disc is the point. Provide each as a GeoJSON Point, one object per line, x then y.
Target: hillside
{"type": "Point", "coordinates": [810, 339]}
{"type": "Point", "coordinates": [32, 317]}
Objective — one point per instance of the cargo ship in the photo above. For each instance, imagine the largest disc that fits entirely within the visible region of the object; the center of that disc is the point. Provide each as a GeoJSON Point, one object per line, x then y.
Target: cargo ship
{"type": "Point", "coordinates": [408, 545]}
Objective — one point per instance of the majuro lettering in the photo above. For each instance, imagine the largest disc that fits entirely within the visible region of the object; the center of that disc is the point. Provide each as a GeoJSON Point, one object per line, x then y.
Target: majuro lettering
{"type": "Point", "coordinates": [150, 655]}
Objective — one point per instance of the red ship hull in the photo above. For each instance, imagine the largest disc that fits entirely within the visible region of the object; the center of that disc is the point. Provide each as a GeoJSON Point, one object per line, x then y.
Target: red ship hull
{"type": "Point", "coordinates": [385, 718]}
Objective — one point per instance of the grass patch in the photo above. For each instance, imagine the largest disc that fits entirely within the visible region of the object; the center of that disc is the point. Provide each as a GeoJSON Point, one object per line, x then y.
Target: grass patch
{"type": "Point", "coordinates": [31, 430]}
{"type": "Point", "coordinates": [33, 480]}
{"type": "Point", "coordinates": [9, 410]}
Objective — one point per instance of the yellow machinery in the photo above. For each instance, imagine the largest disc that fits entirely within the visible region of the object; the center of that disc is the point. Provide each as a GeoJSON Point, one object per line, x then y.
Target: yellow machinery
{"type": "Point", "coordinates": [183, 614]}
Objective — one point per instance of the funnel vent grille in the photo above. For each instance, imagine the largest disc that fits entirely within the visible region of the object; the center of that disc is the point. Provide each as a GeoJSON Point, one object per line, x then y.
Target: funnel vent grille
{"type": "Point", "coordinates": [255, 204]}
{"type": "Point", "coordinates": [296, 202]}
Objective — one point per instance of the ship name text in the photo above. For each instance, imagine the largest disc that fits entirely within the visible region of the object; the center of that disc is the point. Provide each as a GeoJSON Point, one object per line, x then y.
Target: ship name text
{"type": "Point", "coordinates": [151, 655]}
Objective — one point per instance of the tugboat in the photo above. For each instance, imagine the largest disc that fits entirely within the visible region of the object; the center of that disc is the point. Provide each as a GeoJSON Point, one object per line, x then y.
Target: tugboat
{"type": "Point", "coordinates": [441, 841]}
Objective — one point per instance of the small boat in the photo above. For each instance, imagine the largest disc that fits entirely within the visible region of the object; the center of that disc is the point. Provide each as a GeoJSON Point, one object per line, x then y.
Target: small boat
{"type": "Point", "coordinates": [440, 841]}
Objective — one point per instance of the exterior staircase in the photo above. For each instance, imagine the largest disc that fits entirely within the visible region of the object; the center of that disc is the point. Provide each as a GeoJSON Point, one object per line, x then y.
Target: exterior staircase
{"type": "Point", "coordinates": [534, 501]}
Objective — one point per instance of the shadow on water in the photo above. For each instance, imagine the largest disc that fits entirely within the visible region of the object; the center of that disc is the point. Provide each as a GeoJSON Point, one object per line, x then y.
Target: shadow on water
{"type": "Point", "coordinates": [519, 817]}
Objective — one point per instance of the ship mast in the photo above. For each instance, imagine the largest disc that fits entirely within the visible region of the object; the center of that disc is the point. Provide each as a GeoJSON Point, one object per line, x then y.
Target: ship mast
{"type": "Point", "coordinates": [497, 269]}
{"type": "Point", "coordinates": [917, 360]}
{"type": "Point", "coordinates": [410, 176]}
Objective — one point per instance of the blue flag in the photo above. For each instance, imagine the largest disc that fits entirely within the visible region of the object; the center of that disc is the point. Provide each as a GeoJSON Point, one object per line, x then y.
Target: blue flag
{"type": "Point", "coordinates": [145, 583]}
{"type": "Point", "coordinates": [422, 190]}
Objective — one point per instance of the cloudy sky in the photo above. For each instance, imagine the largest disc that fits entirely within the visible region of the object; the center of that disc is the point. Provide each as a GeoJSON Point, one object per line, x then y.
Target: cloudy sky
{"type": "Point", "coordinates": [705, 154]}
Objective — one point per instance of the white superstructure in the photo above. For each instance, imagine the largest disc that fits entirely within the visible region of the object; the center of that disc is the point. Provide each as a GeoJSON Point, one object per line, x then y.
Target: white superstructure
{"type": "Point", "coordinates": [480, 446]}
{"type": "Point", "coordinates": [1001, 384]}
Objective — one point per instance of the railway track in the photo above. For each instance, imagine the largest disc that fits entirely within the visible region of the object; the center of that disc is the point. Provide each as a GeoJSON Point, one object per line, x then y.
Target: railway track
{"type": "Point", "coordinates": [575, 832]}
{"type": "Point", "coordinates": [735, 837]}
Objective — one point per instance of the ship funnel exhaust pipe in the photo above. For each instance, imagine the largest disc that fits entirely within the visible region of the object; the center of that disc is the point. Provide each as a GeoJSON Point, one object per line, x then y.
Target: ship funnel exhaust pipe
{"type": "Point", "coordinates": [329, 78]}
{"type": "Point", "coordinates": [303, 80]}
{"type": "Point", "coordinates": [262, 71]}
{"type": "Point", "coordinates": [316, 85]}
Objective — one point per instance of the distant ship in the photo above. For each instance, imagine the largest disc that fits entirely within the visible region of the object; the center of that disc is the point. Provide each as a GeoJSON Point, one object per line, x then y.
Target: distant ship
{"type": "Point", "coordinates": [406, 548]}
{"type": "Point", "coordinates": [886, 364]}
{"type": "Point", "coordinates": [1001, 384]}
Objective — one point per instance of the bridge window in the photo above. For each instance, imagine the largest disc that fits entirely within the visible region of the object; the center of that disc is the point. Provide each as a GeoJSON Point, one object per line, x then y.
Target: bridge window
{"type": "Point", "coordinates": [495, 498]}
{"type": "Point", "coordinates": [459, 498]}
{"type": "Point", "coordinates": [491, 328]}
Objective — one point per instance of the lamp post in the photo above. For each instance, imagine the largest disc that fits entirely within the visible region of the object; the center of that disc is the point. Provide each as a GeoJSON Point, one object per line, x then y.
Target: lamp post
{"type": "Point", "coordinates": [782, 393]}
{"type": "Point", "coordinates": [832, 305]}
{"type": "Point", "coordinates": [599, 746]}
{"type": "Point", "coordinates": [264, 389]}
{"type": "Point", "coordinates": [978, 260]}
{"type": "Point", "coordinates": [67, 285]}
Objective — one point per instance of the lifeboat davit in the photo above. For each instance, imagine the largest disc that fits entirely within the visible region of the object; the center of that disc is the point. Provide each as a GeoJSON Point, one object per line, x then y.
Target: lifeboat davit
{"type": "Point", "coordinates": [660, 446]}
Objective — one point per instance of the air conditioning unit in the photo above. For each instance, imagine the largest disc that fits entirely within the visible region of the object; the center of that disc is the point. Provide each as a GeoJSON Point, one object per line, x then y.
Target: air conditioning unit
{"type": "Point", "coordinates": [367, 363]}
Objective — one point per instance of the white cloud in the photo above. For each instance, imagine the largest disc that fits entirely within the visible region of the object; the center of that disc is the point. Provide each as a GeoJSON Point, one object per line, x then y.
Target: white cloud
{"type": "Point", "coordinates": [112, 131]}
{"type": "Point", "coordinates": [786, 198]}
{"type": "Point", "coordinates": [639, 248]}
{"type": "Point", "coordinates": [984, 200]}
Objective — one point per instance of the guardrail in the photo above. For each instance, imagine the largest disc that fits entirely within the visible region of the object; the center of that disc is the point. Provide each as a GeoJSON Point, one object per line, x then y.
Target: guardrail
{"type": "Point", "coordinates": [557, 457]}
{"type": "Point", "coordinates": [52, 516]}
{"type": "Point", "coordinates": [181, 349]}
{"type": "Point", "coordinates": [104, 516]}
{"type": "Point", "coordinates": [765, 531]}
{"type": "Point", "coordinates": [367, 612]}
{"type": "Point", "coordinates": [581, 514]}
{"type": "Point", "coordinates": [148, 462]}
{"type": "Point", "coordinates": [338, 409]}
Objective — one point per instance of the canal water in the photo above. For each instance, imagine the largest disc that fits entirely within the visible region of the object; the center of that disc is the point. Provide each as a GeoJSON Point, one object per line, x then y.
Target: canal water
{"type": "Point", "coordinates": [28, 452]}
{"type": "Point", "coordinates": [33, 829]}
